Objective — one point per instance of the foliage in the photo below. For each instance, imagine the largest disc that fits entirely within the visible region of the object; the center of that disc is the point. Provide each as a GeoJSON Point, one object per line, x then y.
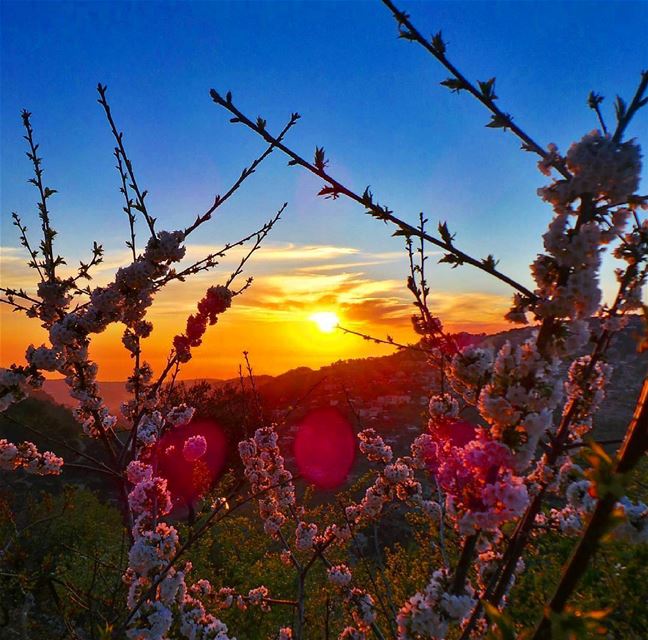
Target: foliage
{"type": "Point", "coordinates": [60, 551]}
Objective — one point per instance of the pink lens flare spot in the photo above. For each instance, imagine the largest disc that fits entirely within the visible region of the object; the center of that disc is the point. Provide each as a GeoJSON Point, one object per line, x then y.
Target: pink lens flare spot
{"type": "Point", "coordinates": [192, 458]}
{"type": "Point", "coordinates": [459, 432]}
{"type": "Point", "coordinates": [325, 448]}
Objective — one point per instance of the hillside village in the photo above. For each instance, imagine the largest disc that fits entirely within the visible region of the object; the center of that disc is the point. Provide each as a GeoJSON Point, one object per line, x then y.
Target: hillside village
{"type": "Point", "coordinates": [390, 393]}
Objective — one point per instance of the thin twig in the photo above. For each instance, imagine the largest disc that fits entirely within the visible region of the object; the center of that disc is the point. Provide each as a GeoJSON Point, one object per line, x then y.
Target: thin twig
{"type": "Point", "coordinates": [247, 172]}
{"type": "Point", "coordinates": [486, 96]}
{"type": "Point", "coordinates": [140, 195]}
{"type": "Point", "coordinates": [366, 200]}
{"type": "Point", "coordinates": [44, 192]}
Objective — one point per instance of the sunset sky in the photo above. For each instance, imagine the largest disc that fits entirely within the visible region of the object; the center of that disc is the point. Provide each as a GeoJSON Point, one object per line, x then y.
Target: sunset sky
{"type": "Point", "coordinates": [373, 101]}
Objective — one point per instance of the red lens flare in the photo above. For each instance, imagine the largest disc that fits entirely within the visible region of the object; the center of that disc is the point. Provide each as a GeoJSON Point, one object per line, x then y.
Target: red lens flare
{"type": "Point", "coordinates": [459, 432]}
{"type": "Point", "coordinates": [325, 448]}
{"type": "Point", "coordinates": [189, 477]}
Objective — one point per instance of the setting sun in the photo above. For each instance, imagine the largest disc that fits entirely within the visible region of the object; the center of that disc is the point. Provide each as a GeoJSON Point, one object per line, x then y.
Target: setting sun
{"type": "Point", "coordinates": [325, 320]}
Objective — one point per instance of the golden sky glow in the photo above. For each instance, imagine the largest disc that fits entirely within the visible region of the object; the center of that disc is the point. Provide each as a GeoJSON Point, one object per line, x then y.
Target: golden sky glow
{"type": "Point", "coordinates": [326, 321]}
{"type": "Point", "coordinates": [277, 320]}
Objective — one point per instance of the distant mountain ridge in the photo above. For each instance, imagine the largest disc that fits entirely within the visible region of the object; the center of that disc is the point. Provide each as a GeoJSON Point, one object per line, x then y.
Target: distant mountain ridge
{"type": "Point", "coordinates": [374, 383]}
{"type": "Point", "coordinates": [114, 392]}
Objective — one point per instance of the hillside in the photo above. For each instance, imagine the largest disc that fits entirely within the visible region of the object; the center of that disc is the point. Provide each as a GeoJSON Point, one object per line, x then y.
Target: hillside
{"type": "Point", "coordinates": [391, 392]}
{"type": "Point", "coordinates": [114, 392]}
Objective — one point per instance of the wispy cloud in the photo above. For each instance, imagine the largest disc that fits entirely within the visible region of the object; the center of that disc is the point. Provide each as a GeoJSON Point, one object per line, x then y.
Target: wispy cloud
{"type": "Point", "coordinates": [295, 280]}
{"type": "Point", "coordinates": [12, 255]}
{"type": "Point", "coordinates": [14, 272]}
{"type": "Point", "coordinates": [304, 253]}
{"type": "Point", "coordinates": [337, 266]}
{"type": "Point", "coordinates": [382, 311]}
{"type": "Point", "coordinates": [272, 257]}
{"type": "Point", "coordinates": [471, 311]}
{"type": "Point", "coordinates": [285, 296]}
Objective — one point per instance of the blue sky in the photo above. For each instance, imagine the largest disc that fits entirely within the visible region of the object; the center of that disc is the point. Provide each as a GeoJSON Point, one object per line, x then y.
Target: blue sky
{"type": "Point", "coordinates": [373, 101]}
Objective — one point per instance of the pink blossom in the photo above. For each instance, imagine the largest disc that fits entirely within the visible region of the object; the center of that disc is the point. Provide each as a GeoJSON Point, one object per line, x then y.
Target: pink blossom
{"type": "Point", "coordinates": [194, 448]}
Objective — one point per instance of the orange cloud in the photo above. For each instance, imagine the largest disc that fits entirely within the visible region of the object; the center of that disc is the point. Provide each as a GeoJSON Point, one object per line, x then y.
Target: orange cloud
{"type": "Point", "coordinates": [271, 320]}
{"type": "Point", "coordinates": [475, 312]}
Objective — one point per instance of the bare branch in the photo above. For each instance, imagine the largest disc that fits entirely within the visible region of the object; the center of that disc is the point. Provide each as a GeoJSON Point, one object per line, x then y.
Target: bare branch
{"type": "Point", "coordinates": [366, 200]}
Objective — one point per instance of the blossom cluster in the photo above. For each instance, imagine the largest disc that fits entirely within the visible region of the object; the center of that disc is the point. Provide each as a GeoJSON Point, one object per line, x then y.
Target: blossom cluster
{"type": "Point", "coordinates": [471, 368]}
{"type": "Point", "coordinates": [15, 384]}
{"type": "Point", "coordinates": [577, 294]}
{"type": "Point", "coordinates": [125, 300]}
{"type": "Point", "coordinates": [581, 500]}
{"type": "Point", "coordinates": [153, 425]}
{"type": "Point", "coordinates": [585, 387]}
{"type": "Point", "coordinates": [394, 482]}
{"type": "Point", "coordinates": [490, 549]}
{"type": "Point", "coordinates": [271, 484]}
{"type": "Point", "coordinates": [374, 447]}
{"type": "Point", "coordinates": [26, 456]}
{"type": "Point", "coordinates": [634, 251]}
{"type": "Point", "coordinates": [580, 503]}
{"type": "Point", "coordinates": [600, 166]}
{"type": "Point", "coordinates": [339, 575]}
{"type": "Point", "coordinates": [603, 177]}
{"type": "Point", "coordinates": [363, 613]}
{"type": "Point", "coordinates": [216, 301]}
{"type": "Point", "coordinates": [517, 388]}
{"type": "Point", "coordinates": [270, 481]}
{"type": "Point", "coordinates": [157, 590]}
{"type": "Point", "coordinates": [519, 399]}
{"type": "Point", "coordinates": [634, 528]}
{"type": "Point", "coordinates": [227, 597]}
{"type": "Point", "coordinates": [476, 473]}
{"type": "Point", "coordinates": [429, 613]}
{"type": "Point", "coordinates": [194, 448]}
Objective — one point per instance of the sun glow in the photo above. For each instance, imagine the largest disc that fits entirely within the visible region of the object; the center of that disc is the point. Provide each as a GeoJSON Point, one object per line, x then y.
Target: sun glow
{"type": "Point", "coordinates": [326, 321]}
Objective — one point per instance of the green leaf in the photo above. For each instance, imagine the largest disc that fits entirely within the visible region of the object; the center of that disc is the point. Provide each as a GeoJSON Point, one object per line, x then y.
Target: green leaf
{"type": "Point", "coordinates": [452, 259]}
{"type": "Point", "coordinates": [602, 473]}
{"type": "Point", "coordinates": [406, 35]}
{"type": "Point", "coordinates": [501, 626]}
{"type": "Point", "coordinates": [572, 624]}
{"type": "Point", "coordinates": [329, 192]}
{"type": "Point", "coordinates": [489, 262]}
